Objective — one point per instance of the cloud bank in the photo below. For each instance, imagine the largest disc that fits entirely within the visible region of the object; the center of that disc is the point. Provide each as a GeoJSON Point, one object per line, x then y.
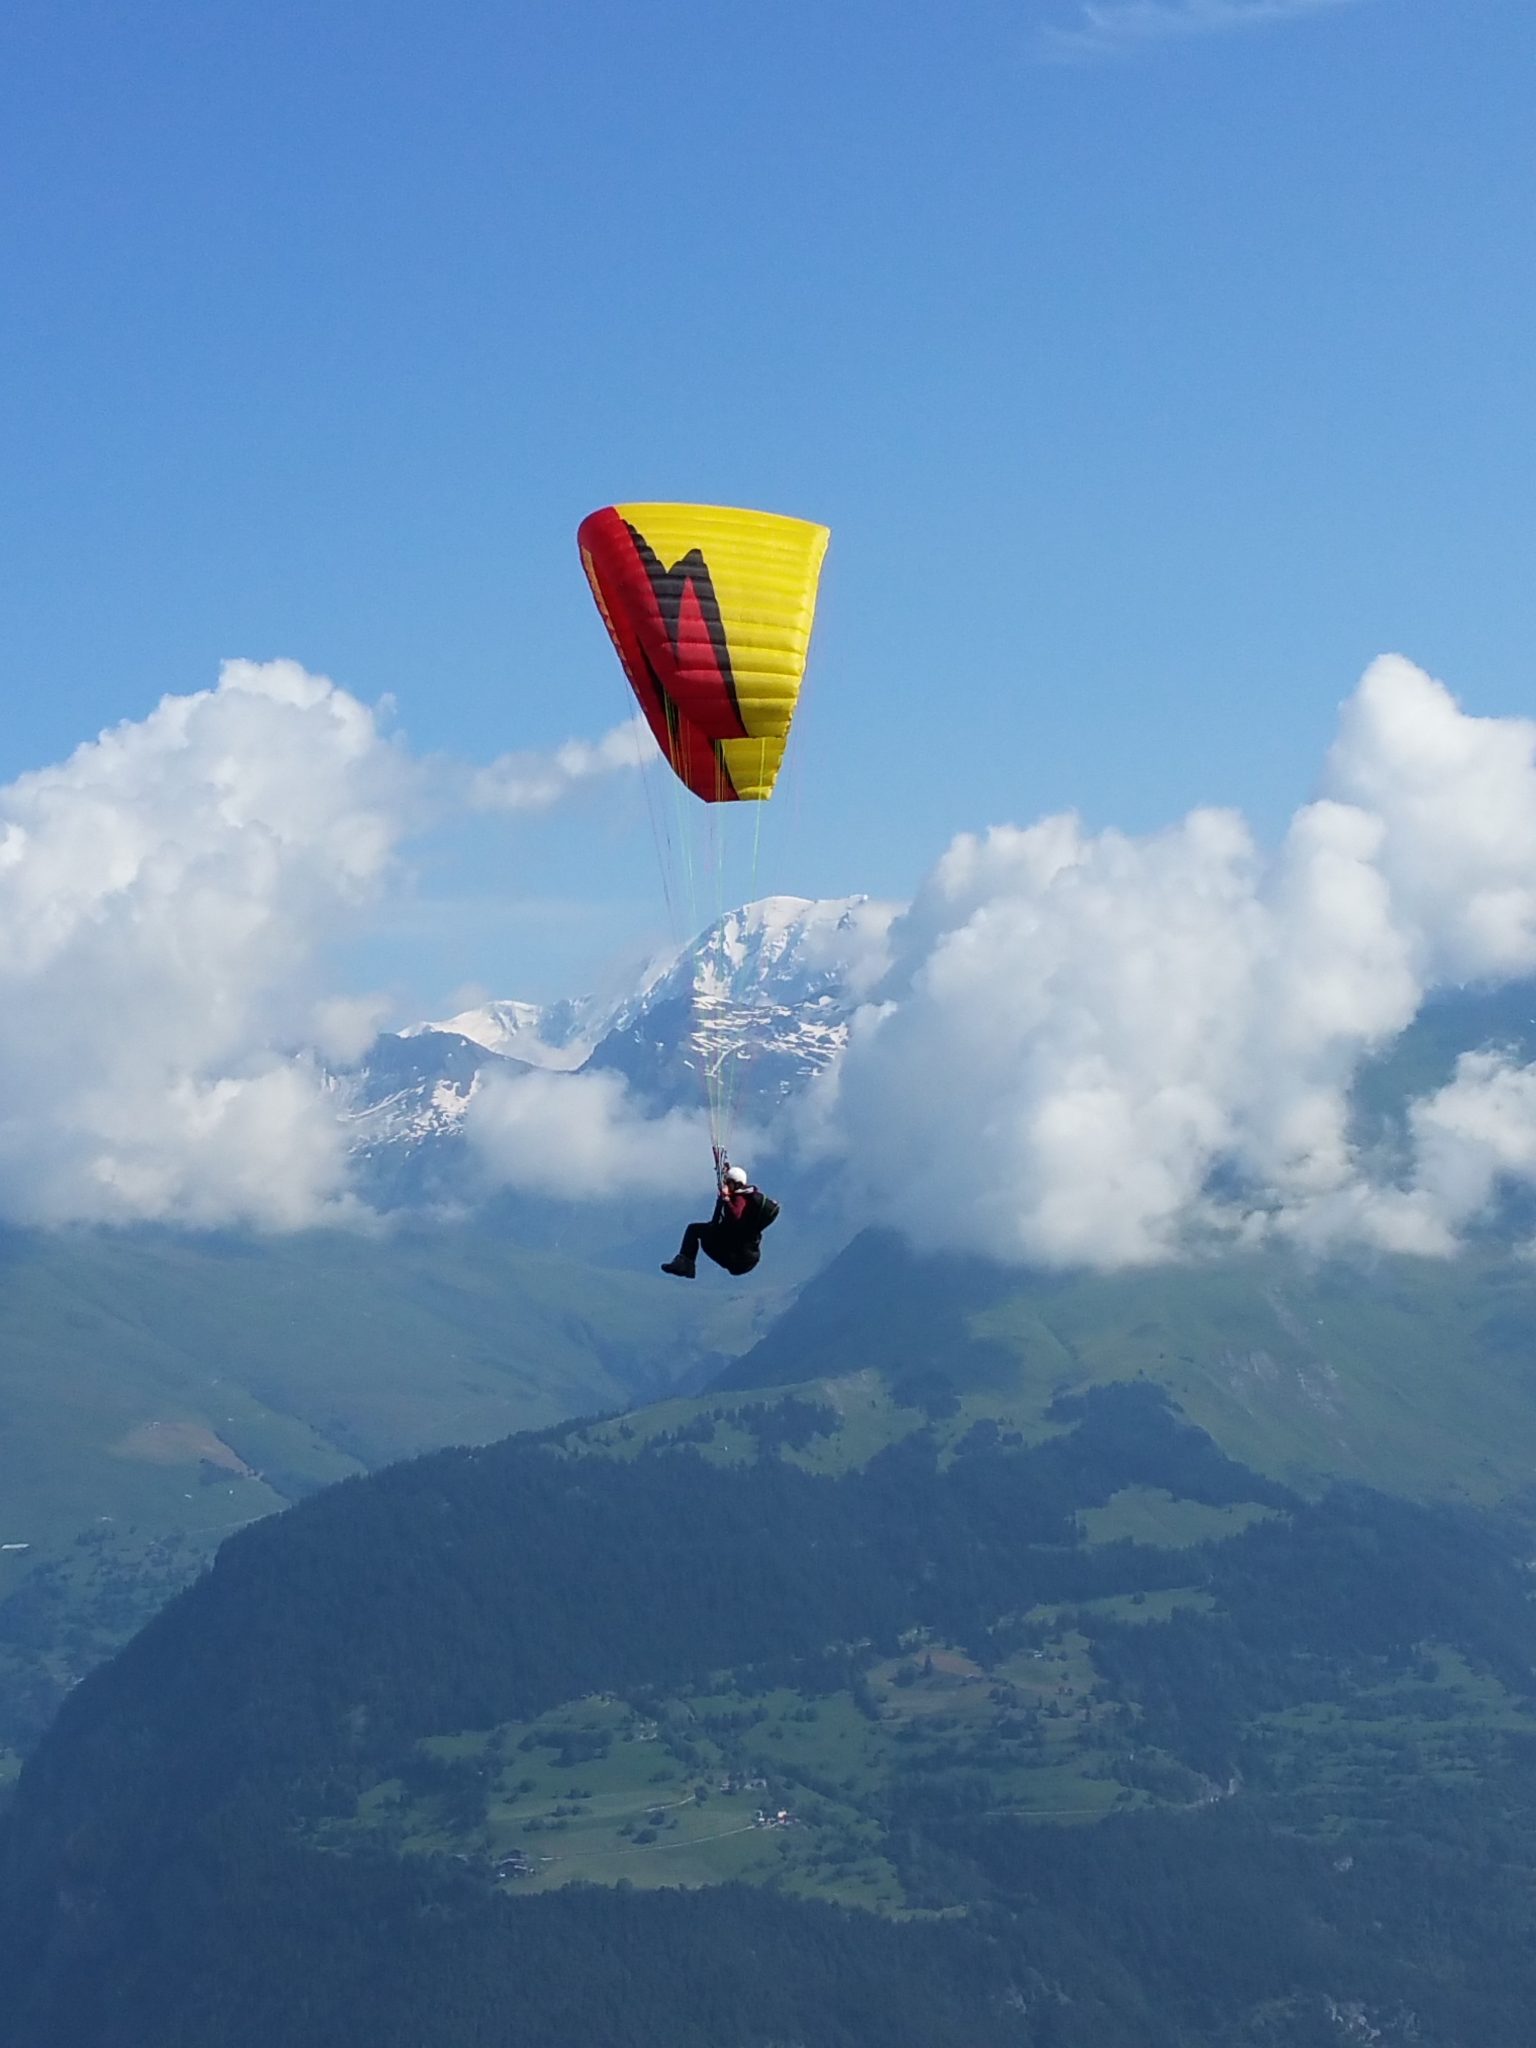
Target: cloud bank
{"type": "Point", "coordinates": [170, 897]}
{"type": "Point", "coordinates": [166, 895]}
{"type": "Point", "coordinates": [1073, 1047]}
{"type": "Point", "coordinates": [581, 1138]}
{"type": "Point", "coordinates": [1096, 1049]}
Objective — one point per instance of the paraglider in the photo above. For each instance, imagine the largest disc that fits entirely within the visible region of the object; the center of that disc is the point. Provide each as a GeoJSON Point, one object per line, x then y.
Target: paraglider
{"type": "Point", "coordinates": [733, 1236]}
{"type": "Point", "coordinates": [710, 609]}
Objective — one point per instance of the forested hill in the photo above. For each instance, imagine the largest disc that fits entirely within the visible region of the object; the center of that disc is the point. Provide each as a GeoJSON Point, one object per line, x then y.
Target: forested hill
{"type": "Point", "coordinates": [1073, 1731]}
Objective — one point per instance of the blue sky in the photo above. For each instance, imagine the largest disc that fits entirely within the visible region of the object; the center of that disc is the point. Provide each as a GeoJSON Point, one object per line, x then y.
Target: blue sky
{"type": "Point", "coordinates": [1155, 367]}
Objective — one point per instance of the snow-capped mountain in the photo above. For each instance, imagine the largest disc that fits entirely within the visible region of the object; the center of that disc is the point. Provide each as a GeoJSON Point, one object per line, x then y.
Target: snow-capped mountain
{"type": "Point", "coordinates": [414, 1085]}
{"type": "Point", "coordinates": [762, 998]}
{"type": "Point", "coordinates": [766, 997]}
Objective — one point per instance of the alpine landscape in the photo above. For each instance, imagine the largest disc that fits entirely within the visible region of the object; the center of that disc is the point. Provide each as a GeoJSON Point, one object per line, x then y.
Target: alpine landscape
{"type": "Point", "coordinates": [1000, 1655]}
{"type": "Point", "coordinates": [767, 1024]}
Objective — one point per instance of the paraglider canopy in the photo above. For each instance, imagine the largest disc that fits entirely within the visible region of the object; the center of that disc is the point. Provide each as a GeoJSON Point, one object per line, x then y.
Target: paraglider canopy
{"type": "Point", "coordinates": [710, 608]}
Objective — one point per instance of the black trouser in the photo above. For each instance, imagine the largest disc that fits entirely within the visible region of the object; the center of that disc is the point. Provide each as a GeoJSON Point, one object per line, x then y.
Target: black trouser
{"type": "Point", "coordinates": [723, 1246]}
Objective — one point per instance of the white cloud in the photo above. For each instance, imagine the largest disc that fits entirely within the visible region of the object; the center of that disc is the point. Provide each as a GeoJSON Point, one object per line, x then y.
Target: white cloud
{"type": "Point", "coordinates": [1470, 1134]}
{"type": "Point", "coordinates": [1456, 801]}
{"type": "Point", "coordinates": [1030, 1086]}
{"type": "Point", "coordinates": [1468, 1139]}
{"type": "Point", "coordinates": [537, 782]}
{"type": "Point", "coordinates": [1091, 1048]}
{"type": "Point", "coordinates": [1105, 28]}
{"type": "Point", "coordinates": [579, 1137]}
{"type": "Point", "coordinates": [165, 895]}
{"type": "Point", "coordinates": [170, 899]}
{"type": "Point", "coordinates": [343, 1027]}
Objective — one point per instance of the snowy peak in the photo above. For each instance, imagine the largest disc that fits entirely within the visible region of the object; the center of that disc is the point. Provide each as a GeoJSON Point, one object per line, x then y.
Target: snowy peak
{"type": "Point", "coordinates": [762, 999]}
{"type": "Point", "coordinates": [783, 948]}
{"type": "Point", "coordinates": [411, 1088]}
{"type": "Point", "coordinates": [764, 995]}
{"type": "Point", "coordinates": [558, 1036]}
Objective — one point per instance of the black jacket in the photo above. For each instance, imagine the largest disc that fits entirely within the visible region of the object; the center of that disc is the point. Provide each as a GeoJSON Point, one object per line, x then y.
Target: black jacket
{"type": "Point", "coordinates": [745, 1231]}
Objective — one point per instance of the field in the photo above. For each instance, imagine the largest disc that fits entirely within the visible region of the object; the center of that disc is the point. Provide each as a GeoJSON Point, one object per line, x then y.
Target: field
{"type": "Point", "coordinates": [769, 1784]}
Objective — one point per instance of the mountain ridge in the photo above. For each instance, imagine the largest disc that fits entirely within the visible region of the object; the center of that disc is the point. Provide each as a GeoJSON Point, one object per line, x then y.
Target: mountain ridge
{"type": "Point", "coordinates": [751, 1010]}
{"type": "Point", "coordinates": [1415, 1376]}
{"type": "Point", "coordinates": [765, 997]}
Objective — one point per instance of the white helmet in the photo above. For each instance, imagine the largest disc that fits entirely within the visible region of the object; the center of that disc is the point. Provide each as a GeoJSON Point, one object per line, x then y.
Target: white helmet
{"type": "Point", "coordinates": [735, 1177]}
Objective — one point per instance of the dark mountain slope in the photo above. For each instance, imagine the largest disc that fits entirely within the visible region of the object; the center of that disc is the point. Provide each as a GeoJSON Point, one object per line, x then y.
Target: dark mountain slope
{"type": "Point", "coordinates": [290, 1810]}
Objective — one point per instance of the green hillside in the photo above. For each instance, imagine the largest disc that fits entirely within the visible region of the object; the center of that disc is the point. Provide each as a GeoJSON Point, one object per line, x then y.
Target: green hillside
{"type": "Point", "coordinates": [1416, 1376]}
{"type": "Point", "coordinates": [1051, 1702]}
{"type": "Point", "coordinates": [158, 1391]}
{"type": "Point", "coordinates": [1043, 1621]}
